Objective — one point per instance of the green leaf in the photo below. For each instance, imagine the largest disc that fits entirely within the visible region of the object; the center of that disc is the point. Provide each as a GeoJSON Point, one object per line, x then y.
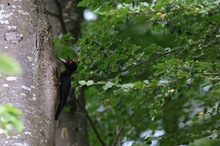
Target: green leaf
{"type": "Point", "coordinates": [82, 82]}
{"type": "Point", "coordinates": [108, 85]}
{"type": "Point", "coordinates": [159, 72]}
{"type": "Point", "coordinates": [160, 4]}
{"type": "Point", "coordinates": [127, 87]}
{"type": "Point", "coordinates": [9, 118]}
{"type": "Point", "coordinates": [216, 18]}
{"type": "Point", "coordinates": [9, 66]}
{"type": "Point", "coordinates": [83, 3]}
{"type": "Point", "coordinates": [138, 85]}
{"type": "Point", "coordinates": [88, 83]}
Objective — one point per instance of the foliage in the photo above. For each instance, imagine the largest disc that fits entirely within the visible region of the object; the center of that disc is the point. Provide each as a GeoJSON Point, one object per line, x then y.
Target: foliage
{"type": "Point", "coordinates": [9, 118]}
{"type": "Point", "coordinates": [63, 45]}
{"type": "Point", "coordinates": [152, 66]}
{"type": "Point", "coordinates": [9, 114]}
{"type": "Point", "coordinates": [9, 66]}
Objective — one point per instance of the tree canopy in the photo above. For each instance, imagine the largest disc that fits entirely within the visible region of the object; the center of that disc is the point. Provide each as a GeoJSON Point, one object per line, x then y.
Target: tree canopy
{"type": "Point", "coordinates": [152, 70]}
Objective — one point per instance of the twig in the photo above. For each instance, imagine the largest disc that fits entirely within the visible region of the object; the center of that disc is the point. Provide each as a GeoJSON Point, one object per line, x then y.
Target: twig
{"type": "Point", "coordinates": [117, 136]}
{"type": "Point", "coordinates": [91, 123]}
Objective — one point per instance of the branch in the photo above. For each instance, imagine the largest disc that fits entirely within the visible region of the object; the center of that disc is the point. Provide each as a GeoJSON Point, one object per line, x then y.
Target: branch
{"type": "Point", "coordinates": [146, 61]}
{"type": "Point", "coordinates": [207, 73]}
{"type": "Point", "coordinates": [210, 22]}
{"type": "Point", "coordinates": [91, 123]}
{"type": "Point", "coordinates": [60, 14]}
{"type": "Point", "coordinates": [117, 136]}
{"type": "Point", "coordinates": [53, 14]}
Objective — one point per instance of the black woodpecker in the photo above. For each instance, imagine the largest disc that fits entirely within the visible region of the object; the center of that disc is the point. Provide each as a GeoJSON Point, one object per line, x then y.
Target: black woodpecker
{"type": "Point", "coordinates": [65, 83]}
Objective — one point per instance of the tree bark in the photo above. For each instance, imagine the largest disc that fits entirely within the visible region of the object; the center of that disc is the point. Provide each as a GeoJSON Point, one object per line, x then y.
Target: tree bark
{"type": "Point", "coordinates": [54, 17]}
{"type": "Point", "coordinates": [26, 36]}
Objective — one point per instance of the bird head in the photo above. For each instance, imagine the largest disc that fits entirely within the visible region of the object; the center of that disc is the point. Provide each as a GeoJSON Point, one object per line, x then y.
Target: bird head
{"type": "Point", "coordinates": [70, 65]}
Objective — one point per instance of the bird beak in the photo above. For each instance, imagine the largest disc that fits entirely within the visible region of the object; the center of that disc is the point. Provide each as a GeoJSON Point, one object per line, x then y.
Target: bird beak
{"type": "Point", "coordinates": [61, 59]}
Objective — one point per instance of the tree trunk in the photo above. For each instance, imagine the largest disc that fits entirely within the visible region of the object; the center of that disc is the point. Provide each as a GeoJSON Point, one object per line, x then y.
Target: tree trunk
{"type": "Point", "coordinates": [72, 125]}
{"type": "Point", "coordinates": [26, 36]}
{"type": "Point", "coordinates": [71, 128]}
{"type": "Point", "coordinates": [53, 16]}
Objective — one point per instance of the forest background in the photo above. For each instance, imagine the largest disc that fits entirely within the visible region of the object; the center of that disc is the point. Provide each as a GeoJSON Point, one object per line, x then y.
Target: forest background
{"type": "Point", "coordinates": [149, 70]}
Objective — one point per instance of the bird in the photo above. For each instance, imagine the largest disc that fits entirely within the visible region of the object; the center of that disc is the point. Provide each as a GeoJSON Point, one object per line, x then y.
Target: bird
{"type": "Point", "coordinates": [65, 83]}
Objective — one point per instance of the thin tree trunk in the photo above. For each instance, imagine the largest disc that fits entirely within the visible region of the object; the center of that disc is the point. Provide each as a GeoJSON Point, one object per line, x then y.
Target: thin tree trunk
{"type": "Point", "coordinates": [26, 36]}
{"type": "Point", "coordinates": [72, 126]}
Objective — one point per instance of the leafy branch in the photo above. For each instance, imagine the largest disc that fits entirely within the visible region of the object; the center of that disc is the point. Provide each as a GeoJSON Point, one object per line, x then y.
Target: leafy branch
{"type": "Point", "coordinates": [153, 59]}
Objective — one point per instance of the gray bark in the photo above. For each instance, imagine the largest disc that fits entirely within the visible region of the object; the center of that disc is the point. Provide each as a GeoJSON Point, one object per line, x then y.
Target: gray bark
{"type": "Point", "coordinates": [26, 36]}
{"type": "Point", "coordinates": [54, 18]}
